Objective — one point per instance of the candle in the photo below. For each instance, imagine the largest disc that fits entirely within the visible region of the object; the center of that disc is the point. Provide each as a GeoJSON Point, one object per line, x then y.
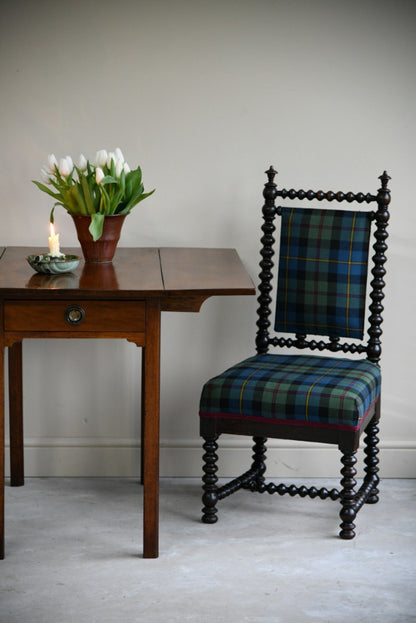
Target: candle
{"type": "Point", "coordinates": [53, 242]}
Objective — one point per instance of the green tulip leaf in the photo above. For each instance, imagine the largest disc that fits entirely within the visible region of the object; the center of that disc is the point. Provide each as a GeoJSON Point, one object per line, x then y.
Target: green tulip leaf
{"type": "Point", "coordinates": [88, 196]}
{"type": "Point", "coordinates": [96, 226]}
{"type": "Point", "coordinates": [109, 179]}
{"type": "Point", "coordinates": [47, 190]}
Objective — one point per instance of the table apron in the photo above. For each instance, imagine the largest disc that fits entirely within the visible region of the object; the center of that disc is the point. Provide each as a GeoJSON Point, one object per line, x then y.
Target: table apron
{"type": "Point", "coordinates": [74, 316]}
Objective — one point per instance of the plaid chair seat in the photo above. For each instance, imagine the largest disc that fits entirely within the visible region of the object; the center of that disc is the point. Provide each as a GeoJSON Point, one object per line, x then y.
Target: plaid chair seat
{"type": "Point", "coordinates": [295, 389]}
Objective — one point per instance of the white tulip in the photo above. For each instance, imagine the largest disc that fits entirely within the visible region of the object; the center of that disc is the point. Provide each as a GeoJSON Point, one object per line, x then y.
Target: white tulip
{"type": "Point", "coordinates": [126, 168]}
{"type": "Point", "coordinates": [99, 174]}
{"type": "Point", "coordinates": [52, 163]}
{"type": "Point", "coordinates": [70, 163]}
{"type": "Point", "coordinates": [64, 167]}
{"type": "Point", "coordinates": [110, 156]}
{"type": "Point", "coordinates": [101, 158]}
{"type": "Point", "coordinates": [119, 155]}
{"type": "Point", "coordinates": [119, 168]}
{"type": "Point", "coordinates": [82, 163]}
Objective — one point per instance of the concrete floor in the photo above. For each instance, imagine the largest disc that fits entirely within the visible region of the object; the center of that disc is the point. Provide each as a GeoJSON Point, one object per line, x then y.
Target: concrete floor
{"type": "Point", "coordinates": [73, 553]}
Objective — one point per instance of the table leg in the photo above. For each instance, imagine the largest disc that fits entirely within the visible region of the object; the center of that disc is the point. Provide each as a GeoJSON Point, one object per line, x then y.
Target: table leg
{"type": "Point", "coordinates": [1, 449]}
{"type": "Point", "coordinates": [142, 419]}
{"type": "Point", "coordinates": [150, 441]}
{"type": "Point", "coordinates": [16, 415]}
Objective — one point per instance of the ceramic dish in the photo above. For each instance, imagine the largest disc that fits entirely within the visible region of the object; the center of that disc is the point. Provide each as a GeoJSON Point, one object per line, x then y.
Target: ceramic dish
{"type": "Point", "coordinates": [50, 265]}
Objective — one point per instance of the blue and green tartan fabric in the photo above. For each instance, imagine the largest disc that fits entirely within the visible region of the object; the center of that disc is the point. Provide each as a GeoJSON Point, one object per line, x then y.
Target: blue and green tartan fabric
{"type": "Point", "coordinates": [294, 389]}
{"type": "Point", "coordinates": [322, 272]}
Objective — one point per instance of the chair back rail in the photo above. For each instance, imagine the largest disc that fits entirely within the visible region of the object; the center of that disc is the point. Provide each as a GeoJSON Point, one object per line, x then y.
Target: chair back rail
{"type": "Point", "coordinates": [270, 210]}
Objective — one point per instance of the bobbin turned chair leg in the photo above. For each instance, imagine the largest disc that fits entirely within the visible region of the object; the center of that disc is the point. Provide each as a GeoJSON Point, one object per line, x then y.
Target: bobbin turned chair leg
{"type": "Point", "coordinates": [210, 495]}
{"type": "Point", "coordinates": [259, 462]}
{"type": "Point", "coordinates": [348, 511]}
{"type": "Point", "coordinates": [259, 456]}
{"type": "Point", "coordinates": [371, 461]}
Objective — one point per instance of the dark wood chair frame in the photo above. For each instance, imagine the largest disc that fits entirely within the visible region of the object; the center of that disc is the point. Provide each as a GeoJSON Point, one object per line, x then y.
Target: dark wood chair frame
{"type": "Point", "coordinates": [351, 499]}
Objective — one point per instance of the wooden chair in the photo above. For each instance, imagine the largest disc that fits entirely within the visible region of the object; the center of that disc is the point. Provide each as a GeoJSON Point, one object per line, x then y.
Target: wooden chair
{"type": "Point", "coordinates": [321, 291]}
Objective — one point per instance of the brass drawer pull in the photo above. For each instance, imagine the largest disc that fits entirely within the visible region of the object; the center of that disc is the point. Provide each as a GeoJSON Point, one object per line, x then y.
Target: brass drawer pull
{"type": "Point", "coordinates": [74, 315]}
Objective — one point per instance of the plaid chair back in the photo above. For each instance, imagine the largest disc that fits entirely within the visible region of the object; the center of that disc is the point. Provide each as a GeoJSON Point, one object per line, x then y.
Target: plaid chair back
{"type": "Point", "coordinates": [323, 272]}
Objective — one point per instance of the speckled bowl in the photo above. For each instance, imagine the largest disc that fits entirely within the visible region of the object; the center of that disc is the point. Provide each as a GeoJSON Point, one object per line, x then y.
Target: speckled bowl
{"type": "Point", "coordinates": [50, 265]}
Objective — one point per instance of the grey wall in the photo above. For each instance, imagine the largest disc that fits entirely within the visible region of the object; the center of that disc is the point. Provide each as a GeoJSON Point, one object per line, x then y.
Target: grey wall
{"type": "Point", "coordinates": [204, 95]}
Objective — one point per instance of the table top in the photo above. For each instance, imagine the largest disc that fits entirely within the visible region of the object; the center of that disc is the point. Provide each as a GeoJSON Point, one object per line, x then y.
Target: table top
{"type": "Point", "coordinates": [181, 277]}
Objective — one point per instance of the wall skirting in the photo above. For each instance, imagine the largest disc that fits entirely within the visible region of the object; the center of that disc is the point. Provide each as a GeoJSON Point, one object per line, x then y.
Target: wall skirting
{"type": "Point", "coordinates": [72, 457]}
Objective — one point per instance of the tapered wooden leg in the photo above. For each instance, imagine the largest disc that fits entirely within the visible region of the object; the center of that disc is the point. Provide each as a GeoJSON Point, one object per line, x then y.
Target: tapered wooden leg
{"type": "Point", "coordinates": [16, 415]}
{"type": "Point", "coordinates": [1, 447]}
{"type": "Point", "coordinates": [143, 390]}
{"type": "Point", "coordinates": [150, 441]}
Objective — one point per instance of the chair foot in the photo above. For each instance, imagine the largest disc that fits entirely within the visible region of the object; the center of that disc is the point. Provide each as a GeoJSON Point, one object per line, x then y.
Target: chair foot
{"type": "Point", "coordinates": [209, 499]}
{"type": "Point", "coordinates": [347, 526]}
{"type": "Point", "coordinates": [373, 498]}
{"type": "Point", "coordinates": [210, 495]}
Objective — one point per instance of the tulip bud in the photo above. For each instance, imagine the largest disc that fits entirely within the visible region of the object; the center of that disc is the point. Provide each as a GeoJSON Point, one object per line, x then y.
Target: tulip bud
{"type": "Point", "coordinates": [110, 157]}
{"type": "Point", "coordinates": [126, 168]}
{"type": "Point", "coordinates": [101, 158]}
{"type": "Point", "coordinates": [119, 155]}
{"type": "Point", "coordinates": [99, 174]}
{"type": "Point", "coordinates": [64, 167]}
{"type": "Point", "coordinates": [70, 163]}
{"type": "Point", "coordinates": [119, 168]}
{"type": "Point", "coordinates": [82, 163]}
{"type": "Point", "coordinates": [52, 163]}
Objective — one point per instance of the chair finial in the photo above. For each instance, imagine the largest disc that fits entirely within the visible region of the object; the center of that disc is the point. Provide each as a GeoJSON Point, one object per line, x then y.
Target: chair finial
{"type": "Point", "coordinates": [384, 180]}
{"type": "Point", "coordinates": [271, 173]}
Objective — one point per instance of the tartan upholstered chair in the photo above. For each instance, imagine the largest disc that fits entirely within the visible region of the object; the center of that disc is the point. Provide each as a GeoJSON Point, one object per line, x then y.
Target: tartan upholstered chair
{"type": "Point", "coordinates": [321, 291]}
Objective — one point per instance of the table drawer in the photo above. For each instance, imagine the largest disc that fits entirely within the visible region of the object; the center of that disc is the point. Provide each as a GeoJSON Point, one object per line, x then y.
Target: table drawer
{"type": "Point", "coordinates": [79, 316]}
